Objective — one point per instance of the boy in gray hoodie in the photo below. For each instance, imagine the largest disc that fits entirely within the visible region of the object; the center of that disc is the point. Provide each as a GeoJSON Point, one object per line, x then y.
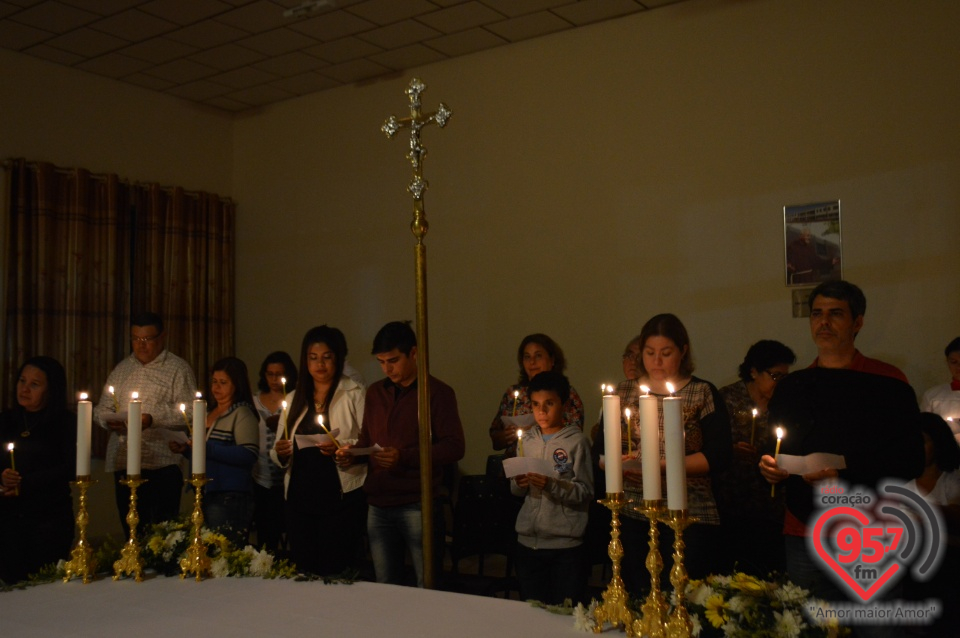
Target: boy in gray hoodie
{"type": "Point", "coordinates": [551, 564]}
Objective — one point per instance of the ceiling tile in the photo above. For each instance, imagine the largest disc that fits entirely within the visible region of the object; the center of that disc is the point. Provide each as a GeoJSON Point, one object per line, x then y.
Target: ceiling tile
{"type": "Point", "coordinates": [16, 36]}
{"type": "Point", "coordinates": [466, 42]}
{"type": "Point", "coordinates": [113, 65]}
{"type": "Point", "coordinates": [514, 8]}
{"type": "Point", "coordinates": [227, 56]}
{"type": "Point", "coordinates": [158, 50]}
{"type": "Point", "coordinates": [243, 77]}
{"type": "Point", "coordinates": [389, 11]}
{"type": "Point", "coordinates": [148, 81]}
{"type": "Point", "coordinates": [198, 91]}
{"type": "Point", "coordinates": [587, 12]}
{"type": "Point", "coordinates": [277, 41]}
{"type": "Point", "coordinates": [181, 71]}
{"type": "Point", "coordinates": [399, 34]}
{"type": "Point", "coordinates": [87, 42]}
{"type": "Point", "coordinates": [134, 25]}
{"type": "Point", "coordinates": [55, 17]}
{"type": "Point", "coordinates": [53, 54]}
{"type": "Point", "coordinates": [407, 57]}
{"type": "Point", "coordinates": [461, 17]}
{"type": "Point", "coordinates": [6, 9]}
{"type": "Point", "coordinates": [256, 17]}
{"type": "Point", "coordinates": [305, 83]}
{"type": "Point", "coordinates": [102, 7]}
{"type": "Point", "coordinates": [333, 26]}
{"type": "Point", "coordinates": [260, 95]}
{"type": "Point", "coordinates": [208, 33]}
{"type": "Point", "coordinates": [355, 70]}
{"type": "Point", "coordinates": [343, 50]}
{"type": "Point", "coordinates": [185, 12]}
{"type": "Point", "coordinates": [291, 64]}
{"type": "Point", "coordinates": [226, 104]}
{"type": "Point", "coordinates": [24, 3]}
{"type": "Point", "coordinates": [529, 26]}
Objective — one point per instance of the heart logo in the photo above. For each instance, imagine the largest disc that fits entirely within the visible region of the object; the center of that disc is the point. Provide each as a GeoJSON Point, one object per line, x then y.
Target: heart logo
{"type": "Point", "coordinates": [826, 555]}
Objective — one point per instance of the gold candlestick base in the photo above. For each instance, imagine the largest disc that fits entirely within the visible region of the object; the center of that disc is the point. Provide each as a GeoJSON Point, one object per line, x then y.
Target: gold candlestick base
{"type": "Point", "coordinates": [614, 609]}
{"type": "Point", "coordinates": [679, 625]}
{"type": "Point", "coordinates": [653, 613]}
{"type": "Point", "coordinates": [82, 564]}
{"type": "Point", "coordinates": [196, 560]}
{"type": "Point", "coordinates": [130, 562]}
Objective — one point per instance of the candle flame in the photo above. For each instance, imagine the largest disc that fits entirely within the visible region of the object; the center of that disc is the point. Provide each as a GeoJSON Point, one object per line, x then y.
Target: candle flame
{"type": "Point", "coordinates": [283, 404]}
{"type": "Point", "coordinates": [10, 446]}
{"type": "Point", "coordinates": [134, 395]}
{"type": "Point", "coordinates": [779, 433]}
{"type": "Point", "coordinates": [283, 380]}
{"type": "Point", "coordinates": [320, 419]}
{"type": "Point", "coordinates": [519, 434]}
{"type": "Point", "coordinates": [670, 387]}
{"type": "Point", "coordinates": [110, 389]}
{"type": "Point", "coordinates": [516, 394]}
{"type": "Point", "coordinates": [83, 396]}
{"type": "Point", "coordinates": [754, 413]}
{"type": "Point", "coordinates": [183, 407]}
{"type": "Point", "coordinates": [627, 412]}
{"type": "Point", "coordinates": [198, 394]}
{"type": "Point", "coordinates": [646, 389]}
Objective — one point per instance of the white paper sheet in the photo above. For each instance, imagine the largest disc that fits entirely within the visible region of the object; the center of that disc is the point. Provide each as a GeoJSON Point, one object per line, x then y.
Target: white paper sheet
{"type": "Point", "coordinates": [363, 451]}
{"type": "Point", "coordinates": [523, 421]}
{"type": "Point", "coordinates": [310, 440]}
{"type": "Point", "coordinates": [525, 465]}
{"type": "Point", "coordinates": [811, 462]}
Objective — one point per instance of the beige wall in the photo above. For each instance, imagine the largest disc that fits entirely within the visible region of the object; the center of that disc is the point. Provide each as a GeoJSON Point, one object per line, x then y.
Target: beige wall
{"type": "Point", "coordinates": [587, 181]}
{"type": "Point", "coordinates": [594, 178]}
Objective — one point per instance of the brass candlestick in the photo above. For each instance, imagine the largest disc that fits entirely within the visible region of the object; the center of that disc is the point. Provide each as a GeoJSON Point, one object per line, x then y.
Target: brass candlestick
{"type": "Point", "coordinates": [614, 608]}
{"type": "Point", "coordinates": [130, 562]}
{"type": "Point", "coordinates": [196, 560]}
{"type": "Point", "coordinates": [679, 625]}
{"type": "Point", "coordinates": [81, 563]}
{"type": "Point", "coordinates": [652, 621]}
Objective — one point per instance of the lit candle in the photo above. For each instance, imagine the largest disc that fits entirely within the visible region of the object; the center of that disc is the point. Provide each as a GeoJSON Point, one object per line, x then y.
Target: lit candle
{"type": "Point", "coordinates": [13, 466]}
{"type": "Point", "coordinates": [283, 417]}
{"type": "Point", "coordinates": [612, 444]}
{"type": "Point", "coordinates": [134, 409]}
{"type": "Point", "coordinates": [320, 421]}
{"type": "Point", "coordinates": [516, 395]}
{"type": "Point", "coordinates": [519, 442]}
{"type": "Point", "coordinates": [753, 426]}
{"type": "Point", "coordinates": [626, 414]}
{"type": "Point", "coordinates": [283, 381]}
{"type": "Point", "coordinates": [84, 420]}
{"type": "Point", "coordinates": [186, 421]}
{"type": "Point", "coordinates": [113, 395]}
{"type": "Point", "coordinates": [675, 452]}
{"type": "Point", "coordinates": [650, 445]}
{"type": "Point", "coordinates": [775, 455]}
{"type": "Point", "coordinates": [198, 451]}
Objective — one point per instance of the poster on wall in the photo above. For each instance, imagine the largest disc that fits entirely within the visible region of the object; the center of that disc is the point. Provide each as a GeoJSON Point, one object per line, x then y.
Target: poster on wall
{"type": "Point", "coordinates": [811, 237]}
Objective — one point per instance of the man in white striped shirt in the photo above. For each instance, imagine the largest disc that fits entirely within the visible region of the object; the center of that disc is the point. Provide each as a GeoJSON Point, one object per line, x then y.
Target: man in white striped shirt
{"type": "Point", "coordinates": [163, 381]}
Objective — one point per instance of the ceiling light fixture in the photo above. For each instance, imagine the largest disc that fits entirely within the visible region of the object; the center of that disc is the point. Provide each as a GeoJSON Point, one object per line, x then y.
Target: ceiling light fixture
{"type": "Point", "coordinates": [308, 7]}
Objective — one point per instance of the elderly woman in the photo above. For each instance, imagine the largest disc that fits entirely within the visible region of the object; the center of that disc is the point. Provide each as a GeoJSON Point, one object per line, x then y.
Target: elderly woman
{"type": "Point", "coordinates": [666, 357]}
{"type": "Point", "coordinates": [753, 521]}
{"type": "Point", "coordinates": [325, 508]}
{"type": "Point", "coordinates": [36, 509]}
{"type": "Point", "coordinates": [537, 353]}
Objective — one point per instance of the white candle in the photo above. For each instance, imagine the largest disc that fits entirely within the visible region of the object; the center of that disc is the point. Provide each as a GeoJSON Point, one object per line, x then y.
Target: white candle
{"type": "Point", "coordinates": [519, 442]}
{"type": "Point", "coordinates": [612, 450]}
{"type": "Point", "coordinates": [198, 458]}
{"type": "Point", "coordinates": [133, 435]}
{"type": "Point", "coordinates": [84, 420]}
{"type": "Point", "coordinates": [650, 445]}
{"type": "Point", "coordinates": [675, 452]}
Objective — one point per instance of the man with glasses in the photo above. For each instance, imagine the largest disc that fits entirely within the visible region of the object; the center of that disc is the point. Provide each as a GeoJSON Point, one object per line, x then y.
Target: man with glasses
{"type": "Point", "coordinates": [163, 381]}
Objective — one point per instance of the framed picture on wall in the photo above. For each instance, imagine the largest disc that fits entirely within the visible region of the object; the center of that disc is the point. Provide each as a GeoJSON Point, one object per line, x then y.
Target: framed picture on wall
{"type": "Point", "coordinates": [811, 238]}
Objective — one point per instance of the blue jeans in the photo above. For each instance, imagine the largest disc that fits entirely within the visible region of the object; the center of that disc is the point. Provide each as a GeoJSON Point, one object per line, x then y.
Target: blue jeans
{"type": "Point", "coordinates": [390, 530]}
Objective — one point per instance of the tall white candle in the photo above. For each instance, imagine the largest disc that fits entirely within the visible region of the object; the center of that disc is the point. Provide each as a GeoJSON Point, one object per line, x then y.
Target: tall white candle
{"type": "Point", "coordinates": [675, 453]}
{"type": "Point", "coordinates": [84, 421]}
{"type": "Point", "coordinates": [198, 456]}
{"type": "Point", "coordinates": [134, 432]}
{"type": "Point", "coordinates": [612, 450]}
{"type": "Point", "coordinates": [650, 445]}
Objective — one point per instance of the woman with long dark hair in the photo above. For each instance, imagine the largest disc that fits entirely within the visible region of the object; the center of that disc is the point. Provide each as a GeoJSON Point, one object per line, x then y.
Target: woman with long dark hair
{"type": "Point", "coordinates": [36, 509]}
{"type": "Point", "coordinates": [325, 508]}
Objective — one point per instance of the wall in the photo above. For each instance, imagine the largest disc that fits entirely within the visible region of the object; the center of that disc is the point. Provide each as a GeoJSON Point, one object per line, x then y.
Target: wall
{"type": "Point", "coordinates": [591, 179]}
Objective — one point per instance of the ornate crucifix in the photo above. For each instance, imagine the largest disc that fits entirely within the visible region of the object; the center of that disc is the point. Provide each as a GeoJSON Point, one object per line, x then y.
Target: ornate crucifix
{"type": "Point", "coordinates": [419, 226]}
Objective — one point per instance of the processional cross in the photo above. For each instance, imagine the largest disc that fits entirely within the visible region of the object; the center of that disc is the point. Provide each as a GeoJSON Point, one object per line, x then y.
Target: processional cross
{"type": "Point", "coordinates": [419, 227]}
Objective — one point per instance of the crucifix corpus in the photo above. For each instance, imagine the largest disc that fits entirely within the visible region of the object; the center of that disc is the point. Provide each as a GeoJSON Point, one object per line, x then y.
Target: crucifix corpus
{"type": "Point", "coordinates": [417, 187]}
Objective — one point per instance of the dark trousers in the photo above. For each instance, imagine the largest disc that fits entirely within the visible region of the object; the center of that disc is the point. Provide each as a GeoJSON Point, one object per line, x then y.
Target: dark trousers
{"type": "Point", "coordinates": [268, 516]}
{"type": "Point", "coordinates": [158, 499]}
{"type": "Point", "coordinates": [552, 575]}
{"type": "Point", "coordinates": [326, 541]}
{"type": "Point", "coordinates": [229, 513]}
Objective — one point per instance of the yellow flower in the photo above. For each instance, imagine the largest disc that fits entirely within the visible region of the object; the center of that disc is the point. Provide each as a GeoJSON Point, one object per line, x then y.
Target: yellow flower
{"type": "Point", "coordinates": [155, 544]}
{"type": "Point", "coordinates": [716, 610]}
{"type": "Point", "coordinates": [747, 584]}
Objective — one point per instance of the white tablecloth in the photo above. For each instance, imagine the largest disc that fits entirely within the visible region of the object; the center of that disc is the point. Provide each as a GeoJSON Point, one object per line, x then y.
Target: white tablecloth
{"type": "Point", "coordinates": [240, 607]}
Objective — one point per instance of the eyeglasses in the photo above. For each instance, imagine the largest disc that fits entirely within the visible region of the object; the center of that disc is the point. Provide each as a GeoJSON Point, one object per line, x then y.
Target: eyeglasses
{"type": "Point", "coordinates": [144, 339]}
{"type": "Point", "coordinates": [776, 375]}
